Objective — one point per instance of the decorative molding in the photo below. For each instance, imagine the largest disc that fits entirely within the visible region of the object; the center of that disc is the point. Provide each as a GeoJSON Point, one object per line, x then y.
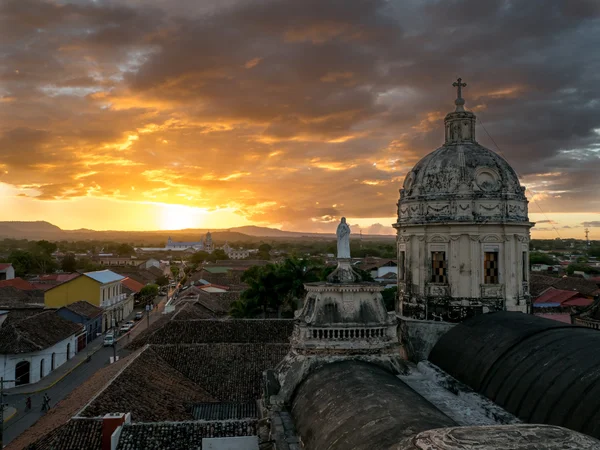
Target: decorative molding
{"type": "Point", "coordinates": [437, 238]}
{"type": "Point", "coordinates": [492, 291]}
{"type": "Point", "coordinates": [491, 238]}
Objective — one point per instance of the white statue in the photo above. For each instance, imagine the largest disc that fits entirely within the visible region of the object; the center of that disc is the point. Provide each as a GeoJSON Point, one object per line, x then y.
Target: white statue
{"type": "Point", "coordinates": [343, 240]}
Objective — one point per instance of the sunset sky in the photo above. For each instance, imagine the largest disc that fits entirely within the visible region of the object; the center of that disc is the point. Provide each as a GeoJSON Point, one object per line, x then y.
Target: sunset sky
{"type": "Point", "coordinates": [167, 114]}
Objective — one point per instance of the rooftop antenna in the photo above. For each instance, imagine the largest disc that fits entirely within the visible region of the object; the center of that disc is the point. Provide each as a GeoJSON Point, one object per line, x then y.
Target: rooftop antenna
{"type": "Point", "coordinates": [587, 236]}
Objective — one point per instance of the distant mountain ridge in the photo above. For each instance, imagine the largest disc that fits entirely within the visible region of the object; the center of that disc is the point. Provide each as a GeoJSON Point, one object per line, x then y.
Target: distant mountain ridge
{"type": "Point", "coordinates": [45, 230]}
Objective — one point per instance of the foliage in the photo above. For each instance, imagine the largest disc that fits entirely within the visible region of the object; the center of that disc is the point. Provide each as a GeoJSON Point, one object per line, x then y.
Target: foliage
{"type": "Point", "coordinates": [199, 257]}
{"type": "Point", "coordinates": [22, 262]}
{"type": "Point", "coordinates": [149, 291]}
{"type": "Point", "coordinates": [163, 280]}
{"type": "Point", "coordinates": [69, 263]}
{"type": "Point", "coordinates": [218, 254]}
{"type": "Point", "coordinates": [174, 271]}
{"type": "Point", "coordinates": [389, 298]}
{"type": "Point", "coordinates": [541, 258]}
{"type": "Point", "coordinates": [264, 248]}
{"type": "Point", "coordinates": [582, 268]}
{"type": "Point", "coordinates": [275, 286]}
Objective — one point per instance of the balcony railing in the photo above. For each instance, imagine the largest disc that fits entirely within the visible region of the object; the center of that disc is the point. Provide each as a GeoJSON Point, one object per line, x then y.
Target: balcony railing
{"type": "Point", "coordinates": [113, 300]}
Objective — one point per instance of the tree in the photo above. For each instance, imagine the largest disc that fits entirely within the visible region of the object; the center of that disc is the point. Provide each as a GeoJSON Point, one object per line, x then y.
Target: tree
{"type": "Point", "coordinates": [22, 262]}
{"type": "Point", "coordinates": [241, 309]}
{"type": "Point", "coordinates": [572, 268]}
{"type": "Point", "coordinates": [174, 271]}
{"type": "Point", "coordinates": [163, 280]}
{"type": "Point", "coordinates": [69, 263]}
{"type": "Point", "coordinates": [125, 250]}
{"type": "Point", "coordinates": [541, 258]}
{"type": "Point", "coordinates": [389, 298]}
{"type": "Point", "coordinates": [46, 247]}
{"type": "Point", "coordinates": [148, 292]}
{"type": "Point", "coordinates": [218, 254]}
{"type": "Point", "coordinates": [266, 248]}
{"type": "Point", "coordinates": [199, 257]}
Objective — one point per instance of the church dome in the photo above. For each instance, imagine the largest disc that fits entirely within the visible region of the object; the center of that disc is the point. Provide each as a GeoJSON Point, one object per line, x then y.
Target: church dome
{"type": "Point", "coordinates": [462, 180]}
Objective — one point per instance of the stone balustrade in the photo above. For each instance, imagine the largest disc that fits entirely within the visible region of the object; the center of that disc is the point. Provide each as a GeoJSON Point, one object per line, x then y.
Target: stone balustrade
{"type": "Point", "coordinates": [587, 323]}
{"type": "Point", "coordinates": [345, 334]}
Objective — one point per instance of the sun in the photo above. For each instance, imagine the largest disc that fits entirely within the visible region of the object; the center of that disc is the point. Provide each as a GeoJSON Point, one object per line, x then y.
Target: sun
{"type": "Point", "coordinates": [178, 217]}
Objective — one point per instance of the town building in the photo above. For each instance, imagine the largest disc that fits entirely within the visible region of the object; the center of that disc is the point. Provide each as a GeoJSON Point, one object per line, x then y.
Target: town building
{"type": "Point", "coordinates": [86, 314]}
{"type": "Point", "coordinates": [7, 271]}
{"type": "Point", "coordinates": [462, 230]}
{"type": "Point", "coordinates": [203, 244]}
{"type": "Point", "coordinates": [236, 253]}
{"type": "Point", "coordinates": [32, 347]}
{"type": "Point", "coordinates": [101, 289]}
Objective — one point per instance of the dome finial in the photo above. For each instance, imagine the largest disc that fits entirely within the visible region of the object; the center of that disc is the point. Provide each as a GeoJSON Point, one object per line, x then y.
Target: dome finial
{"type": "Point", "coordinates": [459, 102]}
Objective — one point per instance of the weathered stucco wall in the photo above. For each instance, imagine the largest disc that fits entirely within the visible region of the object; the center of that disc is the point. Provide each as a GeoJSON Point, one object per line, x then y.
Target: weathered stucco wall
{"type": "Point", "coordinates": [418, 337]}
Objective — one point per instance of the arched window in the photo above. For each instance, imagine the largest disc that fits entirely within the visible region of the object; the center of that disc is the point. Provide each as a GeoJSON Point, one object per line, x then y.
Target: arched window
{"type": "Point", "coordinates": [22, 373]}
{"type": "Point", "coordinates": [68, 351]}
{"type": "Point", "coordinates": [53, 361]}
{"type": "Point", "coordinates": [41, 369]}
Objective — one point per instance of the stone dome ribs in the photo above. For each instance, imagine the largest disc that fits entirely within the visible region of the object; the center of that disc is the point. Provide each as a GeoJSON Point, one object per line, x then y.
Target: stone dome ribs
{"type": "Point", "coordinates": [540, 370]}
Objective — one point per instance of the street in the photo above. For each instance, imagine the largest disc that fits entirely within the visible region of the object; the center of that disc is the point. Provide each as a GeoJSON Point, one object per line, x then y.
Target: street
{"type": "Point", "coordinates": [23, 419]}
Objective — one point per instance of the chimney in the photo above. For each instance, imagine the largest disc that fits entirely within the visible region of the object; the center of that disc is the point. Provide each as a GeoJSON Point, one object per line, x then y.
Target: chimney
{"type": "Point", "coordinates": [111, 429]}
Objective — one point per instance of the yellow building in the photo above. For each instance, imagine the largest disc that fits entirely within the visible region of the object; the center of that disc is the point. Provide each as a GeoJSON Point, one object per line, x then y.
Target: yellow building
{"type": "Point", "coordinates": [101, 288]}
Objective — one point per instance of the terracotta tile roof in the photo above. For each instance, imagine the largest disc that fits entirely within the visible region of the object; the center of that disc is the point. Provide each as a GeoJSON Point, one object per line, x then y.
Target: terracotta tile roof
{"type": "Point", "coordinates": [18, 283]}
{"type": "Point", "coordinates": [225, 411]}
{"type": "Point", "coordinates": [553, 295]}
{"type": "Point", "coordinates": [561, 317]}
{"type": "Point", "coordinates": [14, 315]}
{"type": "Point", "coordinates": [36, 333]}
{"type": "Point", "coordinates": [219, 331]}
{"type": "Point", "coordinates": [192, 310]}
{"type": "Point", "coordinates": [228, 372]}
{"type": "Point", "coordinates": [182, 435]}
{"type": "Point", "coordinates": [76, 434]}
{"type": "Point", "coordinates": [539, 283]}
{"type": "Point", "coordinates": [11, 297]}
{"type": "Point", "coordinates": [84, 309]}
{"type": "Point", "coordinates": [152, 390]}
{"type": "Point", "coordinates": [4, 266]}
{"type": "Point", "coordinates": [132, 285]}
{"type": "Point", "coordinates": [144, 337]}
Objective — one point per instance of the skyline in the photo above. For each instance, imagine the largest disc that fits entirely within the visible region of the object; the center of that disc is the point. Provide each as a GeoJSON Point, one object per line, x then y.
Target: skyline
{"type": "Point", "coordinates": [130, 115]}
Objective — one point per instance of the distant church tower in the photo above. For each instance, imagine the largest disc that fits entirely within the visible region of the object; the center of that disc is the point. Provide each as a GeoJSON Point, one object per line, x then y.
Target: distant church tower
{"type": "Point", "coordinates": [462, 230]}
{"type": "Point", "coordinates": [208, 245]}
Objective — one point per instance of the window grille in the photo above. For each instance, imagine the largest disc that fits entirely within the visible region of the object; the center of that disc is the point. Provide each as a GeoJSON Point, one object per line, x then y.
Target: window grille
{"type": "Point", "coordinates": [490, 268]}
{"type": "Point", "coordinates": [438, 267]}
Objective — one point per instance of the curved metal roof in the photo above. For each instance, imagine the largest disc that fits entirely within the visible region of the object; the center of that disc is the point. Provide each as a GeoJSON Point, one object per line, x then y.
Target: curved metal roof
{"type": "Point", "coordinates": [356, 405]}
{"type": "Point", "coordinates": [540, 370]}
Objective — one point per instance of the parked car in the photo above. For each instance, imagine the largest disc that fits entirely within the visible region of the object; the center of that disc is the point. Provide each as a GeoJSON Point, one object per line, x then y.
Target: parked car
{"type": "Point", "coordinates": [109, 340]}
{"type": "Point", "coordinates": [126, 327]}
{"type": "Point", "coordinates": [139, 315]}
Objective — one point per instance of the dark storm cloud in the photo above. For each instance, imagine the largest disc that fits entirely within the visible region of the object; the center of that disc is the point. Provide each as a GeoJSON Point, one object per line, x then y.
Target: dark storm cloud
{"type": "Point", "coordinates": [299, 106]}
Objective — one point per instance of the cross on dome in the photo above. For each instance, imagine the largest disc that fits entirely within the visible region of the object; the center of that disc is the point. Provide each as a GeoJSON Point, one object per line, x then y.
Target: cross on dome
{"type": "Point", "coordinates": [459, 102]}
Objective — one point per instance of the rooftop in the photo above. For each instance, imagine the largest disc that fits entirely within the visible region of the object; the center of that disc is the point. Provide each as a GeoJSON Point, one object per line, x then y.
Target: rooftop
{"type": "Point", "coordinates": [151, 389]}
{"type": "Point", "coordinates": [84, 309]}
{"type": "Point", "coordinates": [132, 285]}
{"type": "Point", "coordinates": [104, 276]}
{"type": "Point", "coordinates": [221, 331]}
{"type": "Point", "coordinates": [76, 434]}
{"type": "Point", "coordinates": [18, 283]}
{"type": "Point", "coordinates": [35, 333]}
{"type": "Point", "coordinates": [181, 435]}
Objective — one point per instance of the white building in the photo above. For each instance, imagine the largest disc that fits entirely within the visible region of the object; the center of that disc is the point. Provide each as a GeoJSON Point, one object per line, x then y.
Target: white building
{"type": "Point", "coordinates": [33, 347]}
{"type": "Point", "coordinates": [7, 271]}
{"type": "Point", "coordinates": [462, 230]}
{"type": "Point", "coordinates": [235, 253]}
{"type": "Point", "coordinates": [205, 245]}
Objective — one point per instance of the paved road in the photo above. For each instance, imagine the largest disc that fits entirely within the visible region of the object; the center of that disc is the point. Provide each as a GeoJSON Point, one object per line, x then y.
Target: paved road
{"type": "Point", "coordinates": [24, 419]}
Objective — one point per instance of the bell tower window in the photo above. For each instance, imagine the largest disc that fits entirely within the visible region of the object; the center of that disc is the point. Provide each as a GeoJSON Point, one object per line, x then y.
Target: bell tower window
{"type": "Point", "coordinates": [490, 268]}
{"type": "Point", "coordinates": [439, 272]}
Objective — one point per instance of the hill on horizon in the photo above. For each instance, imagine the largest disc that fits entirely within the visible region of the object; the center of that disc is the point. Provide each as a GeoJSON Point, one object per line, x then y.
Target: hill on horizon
{"type": "Point", "coordinates": [44, 230]}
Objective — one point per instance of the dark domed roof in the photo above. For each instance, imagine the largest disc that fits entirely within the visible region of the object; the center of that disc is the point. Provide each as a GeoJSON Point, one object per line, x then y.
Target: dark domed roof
{"type": "Point", "coordinates": [540, 370]}
{"type": "Point", "coordinates": [461, 169]}
{"type": "Point", "coordinates": [462, 181]}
